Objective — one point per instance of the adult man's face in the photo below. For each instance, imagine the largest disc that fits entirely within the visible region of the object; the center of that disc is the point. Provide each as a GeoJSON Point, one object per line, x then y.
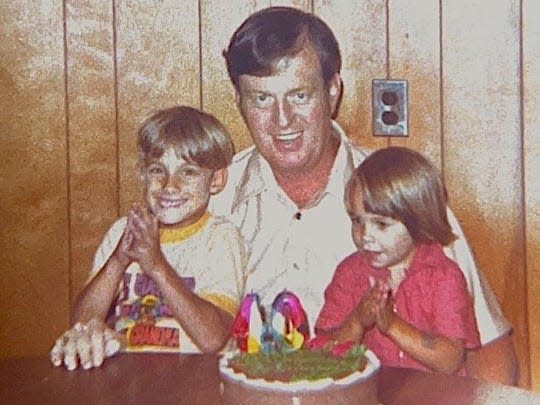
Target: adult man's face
{"type": "Point", "coordinates": [289, 113]}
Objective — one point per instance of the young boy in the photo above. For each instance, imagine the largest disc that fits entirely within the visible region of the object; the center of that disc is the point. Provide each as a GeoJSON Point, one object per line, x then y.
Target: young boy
{"type": "Point", "coordinates": [399, 293]}
{"type": "Point", "coordinates": [173, 274]}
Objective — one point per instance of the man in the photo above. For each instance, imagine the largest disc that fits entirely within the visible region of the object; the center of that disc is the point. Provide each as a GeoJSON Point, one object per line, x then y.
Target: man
{"type": "Point", "coordinates": [285, 193]}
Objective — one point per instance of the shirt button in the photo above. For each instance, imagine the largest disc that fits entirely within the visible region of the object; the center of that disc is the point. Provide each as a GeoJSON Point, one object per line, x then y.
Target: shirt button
{"type": "Point", "coordinates": [295, 266]}
{"type": "Point", "coordinates": [298, 215]}
{"type": "Point", "coordinates": [401, 355]}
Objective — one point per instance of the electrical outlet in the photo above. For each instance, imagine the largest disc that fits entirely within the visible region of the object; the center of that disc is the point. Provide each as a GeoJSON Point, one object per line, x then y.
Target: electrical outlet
{"type": "Point", "coordinates": [389, 107]}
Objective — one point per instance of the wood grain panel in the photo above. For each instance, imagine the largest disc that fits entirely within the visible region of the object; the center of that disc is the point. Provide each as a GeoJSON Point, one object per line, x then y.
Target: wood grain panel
{"type": "Point", "coordinates": [482, 155]}
{"type": "Point", "coordinates": [218, 24]}
{"type": "Point", "coordinates": [92, 135]}
{"type": "Point", "coordinates": [414, 55]}
{"type": "Point", "coordinates": [531, 159]}
{"type": "Point", "coordinates": [306, 5]}
{"type": "Point", "coordinates": [360, 28]}
{"type": "Point", "coordinates": [34, 242]}
{"type": "Point", "coordinates": [157, 66]}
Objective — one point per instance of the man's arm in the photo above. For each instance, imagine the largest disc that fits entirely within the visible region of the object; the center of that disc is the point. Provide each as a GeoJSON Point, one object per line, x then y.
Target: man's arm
{"type": "Point", "coordinates": [496, 360]}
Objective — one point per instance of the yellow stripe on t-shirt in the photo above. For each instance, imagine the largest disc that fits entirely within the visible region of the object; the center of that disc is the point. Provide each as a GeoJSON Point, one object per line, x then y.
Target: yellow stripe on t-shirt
{"type": "Point", "coordinates": [221, 301]}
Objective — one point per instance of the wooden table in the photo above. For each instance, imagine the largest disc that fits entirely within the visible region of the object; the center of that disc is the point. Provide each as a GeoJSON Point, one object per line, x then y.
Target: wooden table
{"type": "Point", "coordinates": [194, 379]}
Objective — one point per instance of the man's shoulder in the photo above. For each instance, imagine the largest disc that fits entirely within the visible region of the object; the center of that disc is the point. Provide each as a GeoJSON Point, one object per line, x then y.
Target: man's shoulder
{"type": "Point", "coordinates": [221, 204]}
{"type": "Point", "coordinates": [240, 161]}
{"type": "Point", "coordinates": [357, 152]}
{"type": "Point", "coordinates": [221, 230]}
{"type": "Point", "coordinates": [221, 224]}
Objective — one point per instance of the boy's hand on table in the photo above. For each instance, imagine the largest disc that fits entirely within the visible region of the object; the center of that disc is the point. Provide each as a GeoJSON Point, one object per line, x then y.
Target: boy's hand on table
{"type": "Point", "coordinates": [86, 345]}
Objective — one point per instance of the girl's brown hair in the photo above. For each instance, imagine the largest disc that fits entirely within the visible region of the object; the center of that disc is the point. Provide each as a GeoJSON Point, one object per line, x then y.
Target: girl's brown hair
{"type": "Point", "coordinates": [196, 136]}
{"type": "Point", "coordinates": [402, 184]}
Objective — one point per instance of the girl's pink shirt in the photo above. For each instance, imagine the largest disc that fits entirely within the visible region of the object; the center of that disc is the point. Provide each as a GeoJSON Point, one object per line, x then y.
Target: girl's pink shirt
{"type": "Point", "coordinates": [433, 297]}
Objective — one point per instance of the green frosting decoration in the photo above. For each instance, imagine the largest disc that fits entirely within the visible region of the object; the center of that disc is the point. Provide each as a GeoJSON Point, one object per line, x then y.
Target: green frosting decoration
{"type": "Point", "coordinates": [303, 364]}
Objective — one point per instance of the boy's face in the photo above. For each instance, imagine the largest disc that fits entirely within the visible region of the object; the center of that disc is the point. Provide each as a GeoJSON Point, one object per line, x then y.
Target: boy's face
{"type": "Point", "coordinates": [385, 241]}
{"type": "Point", "coordinates": [177, 191]}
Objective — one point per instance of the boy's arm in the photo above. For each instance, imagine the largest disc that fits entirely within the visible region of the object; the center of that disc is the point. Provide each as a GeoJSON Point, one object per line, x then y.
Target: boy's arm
{"type": "Point", "coordinates": [207, 317]}
{"type": "Point", "coordinates": [95, 300]}
{"type": "Point", "coordinates": [90, 340]}
{"type": "Point", "coordinates": [207, 325]}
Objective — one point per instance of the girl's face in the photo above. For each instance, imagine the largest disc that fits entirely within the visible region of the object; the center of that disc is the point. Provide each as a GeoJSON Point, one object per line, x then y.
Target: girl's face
{"type": "Point", "coordinates": [385, 241]}
{"type": "Point", "coordinates": [177, 191]}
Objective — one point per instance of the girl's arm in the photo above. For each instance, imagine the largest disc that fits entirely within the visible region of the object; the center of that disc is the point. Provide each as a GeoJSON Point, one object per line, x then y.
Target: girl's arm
{"type": "Point", "coordinates": [441, 354]}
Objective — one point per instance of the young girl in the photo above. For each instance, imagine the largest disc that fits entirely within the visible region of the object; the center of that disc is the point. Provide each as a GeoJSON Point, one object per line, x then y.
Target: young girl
{"type": "Point", "coordinates": [399, 294]}
{"type": "Point", "coordinates": [172, 274]}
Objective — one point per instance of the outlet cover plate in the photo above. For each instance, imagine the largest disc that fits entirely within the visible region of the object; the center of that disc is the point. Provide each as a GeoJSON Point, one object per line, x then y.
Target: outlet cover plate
{"type": "Point", "coordinates": [389, 107]}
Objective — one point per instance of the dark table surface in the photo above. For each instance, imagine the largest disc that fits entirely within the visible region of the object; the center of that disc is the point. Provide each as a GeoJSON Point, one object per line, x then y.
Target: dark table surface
{"type": "Point", "coordinates": [194, 379]}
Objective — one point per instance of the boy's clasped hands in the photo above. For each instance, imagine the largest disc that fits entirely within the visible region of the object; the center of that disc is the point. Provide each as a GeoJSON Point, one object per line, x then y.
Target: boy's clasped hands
{"type": "Point", "coordinates": [140, 242]}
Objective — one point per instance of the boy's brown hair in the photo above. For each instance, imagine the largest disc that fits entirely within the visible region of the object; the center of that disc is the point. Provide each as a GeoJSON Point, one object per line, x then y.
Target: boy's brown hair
{"type": "Point", "coordinates": [196, 136]}
{"type": "Point", "coordinates": [402, 184]}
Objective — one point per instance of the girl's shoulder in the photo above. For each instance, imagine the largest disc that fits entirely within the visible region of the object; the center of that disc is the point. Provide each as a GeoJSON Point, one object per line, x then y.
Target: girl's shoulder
{"type": "Point", "coordinates": [355, 263]}
{"type": "Point", "coordinates": [431, 259]}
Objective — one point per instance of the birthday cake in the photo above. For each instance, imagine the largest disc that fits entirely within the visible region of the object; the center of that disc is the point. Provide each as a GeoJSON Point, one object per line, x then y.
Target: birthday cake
{"type": "Point", "coordinates": [273, 363]}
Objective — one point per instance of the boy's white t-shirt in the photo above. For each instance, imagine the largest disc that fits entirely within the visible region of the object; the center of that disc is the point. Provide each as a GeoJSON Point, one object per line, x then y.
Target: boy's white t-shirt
{"type": "Point", "coordinates": [209, 256]}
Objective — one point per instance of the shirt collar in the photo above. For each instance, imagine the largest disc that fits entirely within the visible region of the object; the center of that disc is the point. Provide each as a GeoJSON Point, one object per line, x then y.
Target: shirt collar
{"type": "Point", "coordinates": [172, 235]}
{"type": "Point", "coordinates": [258, 175]}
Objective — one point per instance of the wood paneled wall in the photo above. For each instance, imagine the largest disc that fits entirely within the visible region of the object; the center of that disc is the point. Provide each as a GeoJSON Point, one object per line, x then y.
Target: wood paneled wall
{"type": "Point", "coordinates": [77, 78]}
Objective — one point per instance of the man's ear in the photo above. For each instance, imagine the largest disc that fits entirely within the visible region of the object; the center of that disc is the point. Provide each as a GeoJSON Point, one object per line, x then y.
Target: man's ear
{"type": "Point", "coordinates": [238, 101]}
{"type": "Point", "coordinates": [140, 169]}
{"type": "Point", "coordinates": [219, 180]}
{"type": "Point", "coordinates": [335, 90]}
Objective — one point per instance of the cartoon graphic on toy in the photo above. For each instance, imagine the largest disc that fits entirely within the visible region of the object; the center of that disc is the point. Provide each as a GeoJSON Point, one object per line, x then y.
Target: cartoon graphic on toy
{"type": "Point", "coordinates": [282, 328]}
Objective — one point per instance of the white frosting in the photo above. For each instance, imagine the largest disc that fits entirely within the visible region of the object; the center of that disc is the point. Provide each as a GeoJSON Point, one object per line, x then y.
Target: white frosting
{"type": "Point", "coordinates": [372, 365]}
